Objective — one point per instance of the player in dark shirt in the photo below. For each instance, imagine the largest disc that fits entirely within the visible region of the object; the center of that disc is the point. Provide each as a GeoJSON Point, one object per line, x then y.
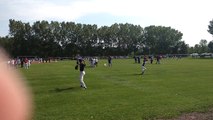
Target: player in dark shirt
{"type": "Point", "coordinates": [82, 72]}
{"type": "Point", "coordinates": [109, 61]}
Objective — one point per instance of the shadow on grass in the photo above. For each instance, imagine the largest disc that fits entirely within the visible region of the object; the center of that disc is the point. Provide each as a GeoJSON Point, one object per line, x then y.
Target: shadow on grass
{"type": "Point", "coordinates": [134, 74]}
{"type": "Point", "coordinates": [62, 89]}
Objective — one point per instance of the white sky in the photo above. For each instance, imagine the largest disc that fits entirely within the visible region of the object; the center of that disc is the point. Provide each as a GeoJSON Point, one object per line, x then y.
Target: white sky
{"type": "Point", "coordinates": [191, 17]}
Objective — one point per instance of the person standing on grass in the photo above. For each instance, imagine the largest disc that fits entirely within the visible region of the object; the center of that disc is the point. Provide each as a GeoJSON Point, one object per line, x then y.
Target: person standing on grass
{"type": "Point", "coordinates": [158, 59]}
{"type": "Point", "coordinates": [143, 65]}
{"type": "Point", "coordinates": [96, 62]}
{"type": "Point", "coordinates": [82, 73]}
{"type": "Point", "coordinates": [22, 62]}
{"type": "Point", "coordinates": [135, 59]}
{"type": "Point", "coordinates": [151, 59]}
{"type": "Point", "coordinates": [110, 61]}
{"type": "Point", "coordinates": [139, 59]}
{"type": "Point", "coordinates": [26, 64]}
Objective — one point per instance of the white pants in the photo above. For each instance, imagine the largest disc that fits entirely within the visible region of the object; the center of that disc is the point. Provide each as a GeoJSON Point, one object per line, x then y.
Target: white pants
{"type": "Point", "coordinates": [143, 68]}
{"type": "Point", "coordinates": [82, 73]}
{"type": "Point", "coordinates": [26, 65]}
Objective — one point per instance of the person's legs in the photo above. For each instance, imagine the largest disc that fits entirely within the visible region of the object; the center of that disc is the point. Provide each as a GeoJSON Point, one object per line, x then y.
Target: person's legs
{"type": "Point", "coordinates": [82, 73]}
{"type": "Point", "coordinates": [25, 66]}
{"type": "Point", "coordinates": [143, 69]}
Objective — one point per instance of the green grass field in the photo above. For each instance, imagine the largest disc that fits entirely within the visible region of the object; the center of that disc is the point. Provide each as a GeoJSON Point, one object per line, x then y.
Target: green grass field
{"type": "Point", "coordinates": [120, 93]}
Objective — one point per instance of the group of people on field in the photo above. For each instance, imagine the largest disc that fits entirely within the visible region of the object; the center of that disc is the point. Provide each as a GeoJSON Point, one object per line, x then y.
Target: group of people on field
{"type": "Point", "coordinates": [151, 58]}
{"type": "Point", "coordinates": [80, 64]}
{"type": "Point", "coordinates": [19, 62]}
{"type": "Point", "coordinates": [94, 61]}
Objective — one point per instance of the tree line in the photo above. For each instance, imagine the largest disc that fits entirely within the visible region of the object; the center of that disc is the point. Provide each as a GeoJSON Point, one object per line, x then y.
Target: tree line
{"type": "Point", "coordinates": [67, 39]}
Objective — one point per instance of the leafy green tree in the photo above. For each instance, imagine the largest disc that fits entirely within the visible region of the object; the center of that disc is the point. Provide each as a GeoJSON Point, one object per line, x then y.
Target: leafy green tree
{"type": "Point", "coordinates": [104, 40]}
{"type": "Point", "coordinates": [203, 46]}
{"type": "Point", "coordinates": [197, 48]}
{"type": "Point", "coordinates": [42, 37]}
{"type": "Point", "coordinates": [69, 44]}
{"type": "Point", "coordinates": [18, 33]}
{"type": "Point", "coordinates": [210, 46]}
{"type": "Point", "coordinates": [89, 36]}
{"type": "Point", "coordinates": [6, 43]}
{"type": "Point", "coordinates": [161, 40]}
{"type": "Point", "coordinates": [191, 50]}
{"type": "Point", "coordinates": [182, 47]}
{"type": "Point", "coordinates": [210, 26]}
{"type": "Point", "coordinates": [68, 39]}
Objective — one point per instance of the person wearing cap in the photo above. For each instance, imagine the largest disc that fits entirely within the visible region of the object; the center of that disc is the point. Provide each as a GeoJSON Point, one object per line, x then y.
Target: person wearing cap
{"type": "Point", "coordinates": [82, 73]}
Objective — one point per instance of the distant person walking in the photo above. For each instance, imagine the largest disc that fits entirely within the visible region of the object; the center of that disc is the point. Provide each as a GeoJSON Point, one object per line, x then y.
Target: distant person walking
{"type": "Point", "coordinates": [143, 65]}
{"type": "Point", "coordinates": [110, 61]}
{"type": "Point", "coordinates": [135, 59]}
{"type": "Point", "coordinates": [139, 59]}
{"type": "Point", "coordinates": [151, 59]}
{"type": "Point", "coordinates": [158, 59]}
{"type": "Point", "coordinates": [96, 62]}
{"type": "Point", "coordinates": [82, 72]}
{"type": "Point", "coordinates": [26, 63]}
{"type": "Point", "coordinates": [22, 62]}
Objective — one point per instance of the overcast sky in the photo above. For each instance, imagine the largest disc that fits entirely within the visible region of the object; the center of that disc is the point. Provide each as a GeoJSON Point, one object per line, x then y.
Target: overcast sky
{"type": "Point", "coordinates": [191, 17]}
